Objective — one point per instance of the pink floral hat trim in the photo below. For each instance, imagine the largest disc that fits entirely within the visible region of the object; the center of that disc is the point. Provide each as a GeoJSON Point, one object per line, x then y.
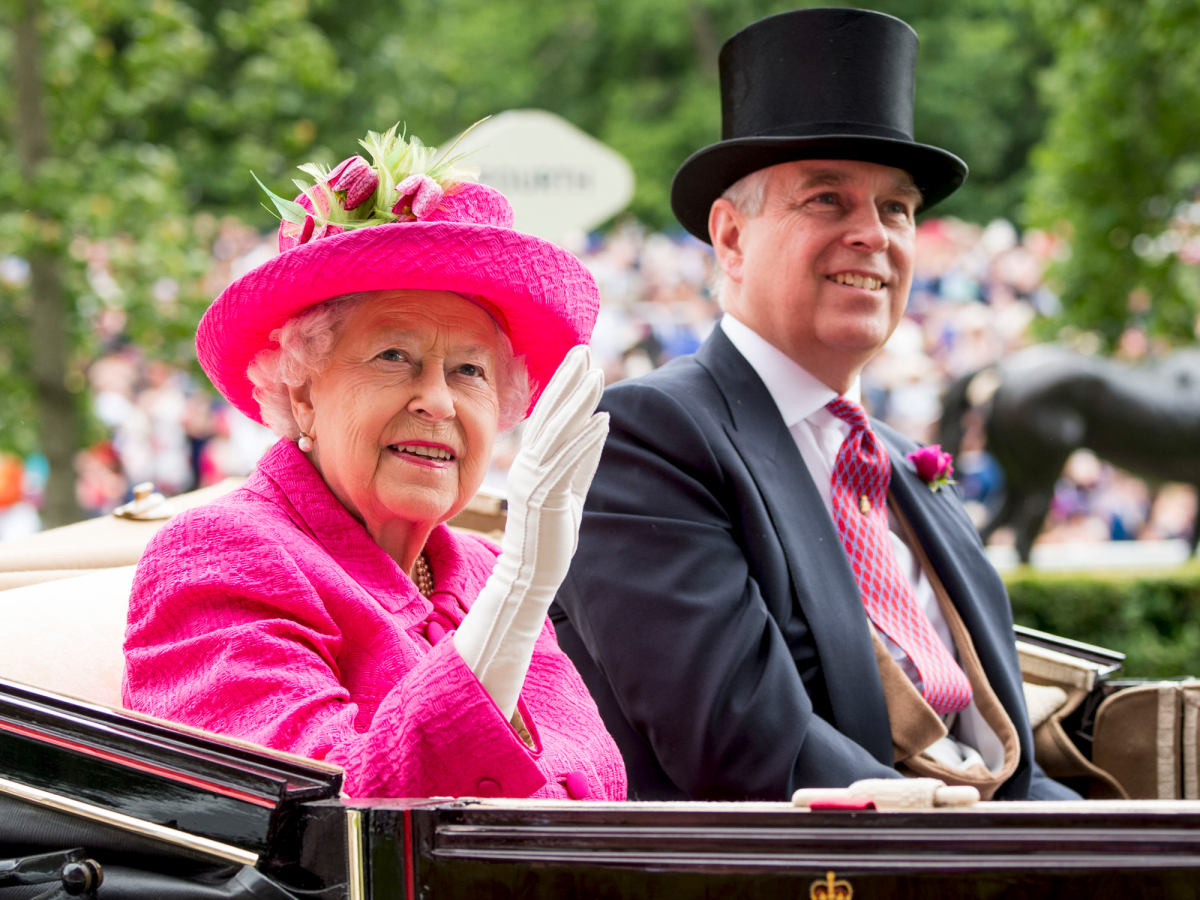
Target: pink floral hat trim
{"type": "Point", "coordinates": [402, 221]}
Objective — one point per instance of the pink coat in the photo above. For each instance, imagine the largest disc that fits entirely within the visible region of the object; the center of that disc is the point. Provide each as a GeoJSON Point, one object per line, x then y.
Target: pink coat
{"type": "Point", "coordinates": [271, 615]}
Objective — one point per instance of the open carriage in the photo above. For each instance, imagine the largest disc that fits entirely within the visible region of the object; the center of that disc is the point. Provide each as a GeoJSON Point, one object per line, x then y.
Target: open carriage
{"type": "Point", "coordinates": [99, 801]}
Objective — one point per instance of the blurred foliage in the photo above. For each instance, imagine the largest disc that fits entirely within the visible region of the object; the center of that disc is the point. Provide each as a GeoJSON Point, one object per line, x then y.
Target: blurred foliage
{"type": "Point", "coordinates": [1121, 151]}
{"type": "Point", "coordinates": [160, 109]}
{"type": "Point", "coordinates": [642, 76]}
{"type": "Point", "coordinates": [154, 108]}
{"type": "Point", "coordinates": [1153, 618]}
{"type": "Point", "coordinates": [18, 416]}
{"type": "Point", "coordinates": [100, 192]}
{"type": "Point", "coordinates": [977, 96]}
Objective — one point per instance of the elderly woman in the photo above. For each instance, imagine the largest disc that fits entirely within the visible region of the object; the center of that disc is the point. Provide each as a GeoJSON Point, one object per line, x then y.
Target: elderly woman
{"type": "Point", "coordinates": [324, 608]}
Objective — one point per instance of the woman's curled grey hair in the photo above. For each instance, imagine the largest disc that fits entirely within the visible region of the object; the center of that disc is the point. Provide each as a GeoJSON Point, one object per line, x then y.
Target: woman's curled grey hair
{"type": "Point", "coordinates": [306, 341]}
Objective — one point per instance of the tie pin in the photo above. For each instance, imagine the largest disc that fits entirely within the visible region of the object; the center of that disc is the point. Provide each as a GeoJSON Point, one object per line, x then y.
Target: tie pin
{"type": "Point", "coordinates": [864, 504]}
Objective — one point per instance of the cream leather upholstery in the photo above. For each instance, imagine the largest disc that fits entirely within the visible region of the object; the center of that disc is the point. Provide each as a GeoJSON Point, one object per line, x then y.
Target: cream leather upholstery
{"type": "Point", "coordinates": [66, 635]}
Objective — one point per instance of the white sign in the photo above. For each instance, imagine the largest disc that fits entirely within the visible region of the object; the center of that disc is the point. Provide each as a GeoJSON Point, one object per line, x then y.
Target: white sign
{"type": "Point", "coordinates": [559, 179]}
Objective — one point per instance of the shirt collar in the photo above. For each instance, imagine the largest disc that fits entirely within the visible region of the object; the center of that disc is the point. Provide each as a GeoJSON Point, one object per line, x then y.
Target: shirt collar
{"type": "Point", "coordinates": [796, 392]}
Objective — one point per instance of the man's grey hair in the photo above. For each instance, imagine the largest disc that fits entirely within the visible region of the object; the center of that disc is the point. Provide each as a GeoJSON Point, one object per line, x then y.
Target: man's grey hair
{"type": "Point", "coordinates": [306, 342]}
{"type": "Point", "coordinates": [748, 195]}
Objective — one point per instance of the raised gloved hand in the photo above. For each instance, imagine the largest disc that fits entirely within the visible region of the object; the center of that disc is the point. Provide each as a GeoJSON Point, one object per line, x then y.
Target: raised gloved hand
{"type": "Point", "coordinates": [547, 484]}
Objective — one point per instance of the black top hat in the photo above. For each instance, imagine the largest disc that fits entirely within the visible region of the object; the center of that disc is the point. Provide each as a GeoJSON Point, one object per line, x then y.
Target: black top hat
{"type": "Point", "coordinates": [827, 83]}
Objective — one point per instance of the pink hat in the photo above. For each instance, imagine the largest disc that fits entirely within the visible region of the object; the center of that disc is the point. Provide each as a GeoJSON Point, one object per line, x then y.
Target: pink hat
{"type": "Point", "coordinates": [422, 229]}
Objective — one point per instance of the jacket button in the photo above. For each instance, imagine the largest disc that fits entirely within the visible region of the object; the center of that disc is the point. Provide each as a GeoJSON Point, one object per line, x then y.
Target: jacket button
{"type": "Point", "coordinates": [577, 785]}
{"type": "Point", "coordinates": [435, 632]}
{"type": "Point", "coordinates": [488, 788]}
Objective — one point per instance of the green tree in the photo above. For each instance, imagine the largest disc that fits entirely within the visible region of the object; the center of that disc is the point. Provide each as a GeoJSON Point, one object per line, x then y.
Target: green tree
{"type": "Point", "coordinates": [74, 178]}
{"type": "Point", "coordinates": [124, 117]}
{"type": "Point", "coordinates": [1121, 150]}
{"type": "Point", "coordinates": [642, 76]}
{"type": "Point", "coordinates": [273, 82]}
{"type": "Point", "coordinates": [977, 95]}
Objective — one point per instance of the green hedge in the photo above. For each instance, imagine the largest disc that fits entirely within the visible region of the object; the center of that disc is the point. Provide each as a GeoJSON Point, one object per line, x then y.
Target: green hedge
{"type": "Point", "coordinates": [1152, 617]}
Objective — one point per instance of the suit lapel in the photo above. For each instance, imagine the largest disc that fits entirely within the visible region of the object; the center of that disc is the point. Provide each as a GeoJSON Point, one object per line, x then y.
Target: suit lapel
{"type": "Point", "coordinates": [953, 548]}
{"type": "Point", "coordinates": [822, 579]}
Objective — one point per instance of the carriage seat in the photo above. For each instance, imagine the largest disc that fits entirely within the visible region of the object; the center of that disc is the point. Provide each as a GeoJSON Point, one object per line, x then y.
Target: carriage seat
{"type": "Point", "coordinates": [65, 635]}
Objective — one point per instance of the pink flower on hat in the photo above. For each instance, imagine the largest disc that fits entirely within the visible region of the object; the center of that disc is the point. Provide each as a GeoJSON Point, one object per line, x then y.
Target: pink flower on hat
{"type": "Point", "coordinates": [349, 197]}
{"type": "Point", "coordinates": [419, 196]}
{"type": "Point", "coordinates": [934, 466]}
{"type": "Point", "coordinates": [293, 235]}
{"type": "Point", "coordinates": [356, 179]}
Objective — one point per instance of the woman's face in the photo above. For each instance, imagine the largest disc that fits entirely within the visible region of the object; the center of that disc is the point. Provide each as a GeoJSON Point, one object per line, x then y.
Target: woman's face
{"type": "Point", "coordinates": [404, 415]}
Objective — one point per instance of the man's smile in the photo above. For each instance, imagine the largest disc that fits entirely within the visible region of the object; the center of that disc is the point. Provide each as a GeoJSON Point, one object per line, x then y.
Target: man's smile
{"type": "Point", "coordinates": [858, 280]}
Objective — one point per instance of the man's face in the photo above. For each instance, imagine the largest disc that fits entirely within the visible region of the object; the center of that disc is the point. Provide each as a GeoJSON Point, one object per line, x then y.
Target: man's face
{"type": "Point", "coordinates": [824, 271]}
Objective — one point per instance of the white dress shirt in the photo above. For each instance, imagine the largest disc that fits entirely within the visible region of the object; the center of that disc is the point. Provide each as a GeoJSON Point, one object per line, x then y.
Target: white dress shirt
{"type": "Point", "coordinates": [819, 434]}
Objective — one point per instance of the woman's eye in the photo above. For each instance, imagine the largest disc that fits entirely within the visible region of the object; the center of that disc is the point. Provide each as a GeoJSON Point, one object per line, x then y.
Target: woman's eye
{"type": "Point", "coordinates": [391, 355]}
{"type": "Point", "coordinates": [471, 370]}
{"type": "Point", "coordinates": [826, 199]}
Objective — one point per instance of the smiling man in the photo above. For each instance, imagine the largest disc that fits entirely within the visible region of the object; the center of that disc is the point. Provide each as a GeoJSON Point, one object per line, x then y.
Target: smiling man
{"type": "Point", "coordinates": [766, 596]}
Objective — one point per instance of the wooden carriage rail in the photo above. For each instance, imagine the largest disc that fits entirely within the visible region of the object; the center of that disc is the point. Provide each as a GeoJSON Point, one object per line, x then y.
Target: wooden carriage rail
{"type": "Point", "coordinates": [144, 769]}
{"type": "Point", "coordinates": [442, 849]}
{"type": "Point", "coordinates": [113, 728]}
{"type": "Point", "coordinates": [1089, 849]}
{"type": "Point", "coordinates": [151, 830]}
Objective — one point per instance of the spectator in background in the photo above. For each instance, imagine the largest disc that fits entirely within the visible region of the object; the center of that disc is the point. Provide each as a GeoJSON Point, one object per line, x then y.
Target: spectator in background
{"type": "Point", "coordinates": [1172, 513]}
{"type": "Point", "coordinates": [165, 428]}
{"type": "Point", "coordinates": [100, 485]}
{"type": "Point", "coordinates": [18, 515]}
{"type": "Point", "coordinates": [655, 299]}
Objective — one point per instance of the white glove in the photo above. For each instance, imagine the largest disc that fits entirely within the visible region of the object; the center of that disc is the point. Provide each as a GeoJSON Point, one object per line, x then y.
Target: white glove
{"type": "Point", "coordinates": [894, 793]}
{"type": "Point", "coordinates": [547, 484]}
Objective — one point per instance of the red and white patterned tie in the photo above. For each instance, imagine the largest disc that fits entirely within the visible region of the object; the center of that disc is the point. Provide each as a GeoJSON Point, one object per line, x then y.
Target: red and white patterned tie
{"type": "Point", "coordinates": [859, 494]}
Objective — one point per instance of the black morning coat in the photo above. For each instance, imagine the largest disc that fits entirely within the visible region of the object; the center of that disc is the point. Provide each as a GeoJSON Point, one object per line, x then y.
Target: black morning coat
{"type": "Point", "coordinates": [714, 616]}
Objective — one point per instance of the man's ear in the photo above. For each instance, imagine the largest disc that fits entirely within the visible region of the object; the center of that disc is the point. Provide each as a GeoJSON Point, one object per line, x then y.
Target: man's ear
{"type": "Point", "coordinates": [302, 407]}
{"type": "Point", "coordinates": [725, 227]}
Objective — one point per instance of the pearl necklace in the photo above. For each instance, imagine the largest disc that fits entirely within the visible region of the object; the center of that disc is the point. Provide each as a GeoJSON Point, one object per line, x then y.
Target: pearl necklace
{"type": "Point", "coordinates": [422, 575]}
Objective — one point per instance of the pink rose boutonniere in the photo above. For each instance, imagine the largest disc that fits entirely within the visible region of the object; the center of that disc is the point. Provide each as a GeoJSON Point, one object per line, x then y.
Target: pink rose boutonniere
{"type": "Point", "coordinates": [934, 466]}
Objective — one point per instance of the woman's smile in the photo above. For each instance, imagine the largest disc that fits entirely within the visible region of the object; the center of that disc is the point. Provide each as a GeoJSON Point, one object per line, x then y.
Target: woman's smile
{"type": "Point", "coordinates": [424, 453]}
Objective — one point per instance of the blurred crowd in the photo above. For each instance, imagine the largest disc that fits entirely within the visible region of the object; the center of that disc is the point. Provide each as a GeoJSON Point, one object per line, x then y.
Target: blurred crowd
{"type": "Point", "coordinates": [1096, 501]}
{"type": "Point", "coordinates": [164, 424]}
{"type": "Point", "coordinates": [975, 293]}
{"type": "Point", "coordinates": [165, 428]}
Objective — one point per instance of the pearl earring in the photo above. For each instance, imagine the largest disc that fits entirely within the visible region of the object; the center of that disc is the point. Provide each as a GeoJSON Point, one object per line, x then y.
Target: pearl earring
{"type": "Point", "coordinates": [305, 443]}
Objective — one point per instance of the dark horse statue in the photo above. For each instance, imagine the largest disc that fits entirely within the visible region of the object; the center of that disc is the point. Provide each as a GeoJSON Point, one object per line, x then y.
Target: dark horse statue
{"type": "Point", "coordinates": [1041, 404]}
